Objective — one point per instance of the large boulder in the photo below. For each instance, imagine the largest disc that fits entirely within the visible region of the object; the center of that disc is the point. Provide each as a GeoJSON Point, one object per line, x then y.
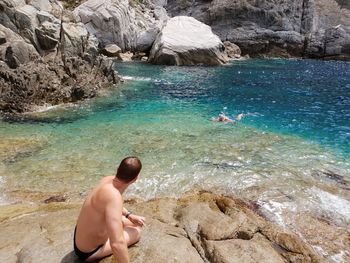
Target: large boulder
{"type": "Point", "coordinates": [186, 41]}
{"type": "Point", "coordinates": [274, 28]}
{"type": "Point", "coordinates": [128, 24]}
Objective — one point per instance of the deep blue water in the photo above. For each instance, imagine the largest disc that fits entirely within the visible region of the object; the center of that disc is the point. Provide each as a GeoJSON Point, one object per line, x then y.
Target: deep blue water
{"type": "Point", "coordinates": [307, 98]}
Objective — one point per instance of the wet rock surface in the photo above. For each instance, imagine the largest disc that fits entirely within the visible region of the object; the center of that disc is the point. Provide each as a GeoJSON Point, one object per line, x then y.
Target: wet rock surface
{"type": "Point", "coordinates": [201, 227]}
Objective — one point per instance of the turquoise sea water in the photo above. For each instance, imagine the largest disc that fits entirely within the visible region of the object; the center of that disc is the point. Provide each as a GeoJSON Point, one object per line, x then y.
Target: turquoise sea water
{"type": "Point", "coordinates": [290, 153]}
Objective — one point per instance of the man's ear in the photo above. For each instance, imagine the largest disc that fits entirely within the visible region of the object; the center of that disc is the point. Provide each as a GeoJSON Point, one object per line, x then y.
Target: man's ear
{"type": "Point", "coordinates": [133, 181]}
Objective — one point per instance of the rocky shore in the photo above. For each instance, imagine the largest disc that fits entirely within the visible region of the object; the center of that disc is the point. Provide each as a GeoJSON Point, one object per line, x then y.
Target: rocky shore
{"type": "Point", "coordinates": [65, 45]}
{"type": "Point", "coordinates": [198, 227]}
{"type": "Point", "coordinates": [46, 58]}
{"type": "Point", "coordinates": [51, 55]}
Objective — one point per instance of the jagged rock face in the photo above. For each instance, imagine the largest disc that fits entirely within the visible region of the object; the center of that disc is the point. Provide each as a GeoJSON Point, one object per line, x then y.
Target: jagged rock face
{"type": "Point", "coordinates": [24, 18]}
{"type": "Point", "coordinates": [39, 22]}
{"type": "Point", "coordinates": [54, 82]}
{"type": "Point", "coordinates": [276, 28]}
{"type": "Point", "coordinates": [14, 50]}
{"type": "Point", "coordinates": [35, 28]}
{"type": "Point", "coordinates": [232, 50]}
{"type": "Point", "coordinates": [198, 228]}
{"type": "Point", "coordinates": [186, 41]}
{"type": "Point", "coordinates": [131, 27]}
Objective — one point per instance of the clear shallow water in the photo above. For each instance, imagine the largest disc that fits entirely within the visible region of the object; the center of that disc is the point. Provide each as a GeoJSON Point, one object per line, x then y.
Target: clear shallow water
{"type": "Point", "coordinates": [291, 153]}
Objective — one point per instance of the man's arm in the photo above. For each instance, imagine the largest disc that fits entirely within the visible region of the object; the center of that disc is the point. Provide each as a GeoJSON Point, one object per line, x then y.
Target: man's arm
{"type": "Point", "coordinates": [125, 211]}
{"type": "Point", "coordinates": [135, 219]}
{"type": "Point", "coordinates": [113, 214]}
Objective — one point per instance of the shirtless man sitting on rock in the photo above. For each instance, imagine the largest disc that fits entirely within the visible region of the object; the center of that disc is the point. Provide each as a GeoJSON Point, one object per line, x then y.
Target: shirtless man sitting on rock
{"type": "Point", "coordinates": [104, 226]}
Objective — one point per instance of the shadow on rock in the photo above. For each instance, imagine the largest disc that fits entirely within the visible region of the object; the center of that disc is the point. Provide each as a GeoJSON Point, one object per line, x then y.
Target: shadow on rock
{"type": "Point", "coordinates": [71, 258]}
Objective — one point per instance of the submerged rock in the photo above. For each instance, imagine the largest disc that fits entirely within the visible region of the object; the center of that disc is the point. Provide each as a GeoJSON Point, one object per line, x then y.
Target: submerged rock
{"type": "Point", "coordinates": [201, 227]}
{"type": "Point", "coordinates": [55, 198]}
{"type": "Point", "coordinates": [186, 41]}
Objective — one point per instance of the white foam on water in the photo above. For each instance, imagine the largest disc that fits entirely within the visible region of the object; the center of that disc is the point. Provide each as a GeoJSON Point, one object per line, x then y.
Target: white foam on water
{"type": "Point", "coordinates": [338, 258]}
{"type": "Point", "coordinates": [331, 203]}
{"type": "Point", "coordinates": [145, 79]}
{"type": "Point", "coordinates": [46, 107]}
{"type": "Point", "coordinates": [136, 78]}
{"type": "Point", "coordinates": [275, 211]}
{"type": "Point", "coordinates": [2, 196]}
{"type": "Point", "coordinates": [320, 250]}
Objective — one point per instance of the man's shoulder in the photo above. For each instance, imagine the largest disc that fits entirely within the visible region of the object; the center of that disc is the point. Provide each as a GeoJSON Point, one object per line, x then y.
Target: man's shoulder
{"type": "Point", "coordinates": [108, 192]}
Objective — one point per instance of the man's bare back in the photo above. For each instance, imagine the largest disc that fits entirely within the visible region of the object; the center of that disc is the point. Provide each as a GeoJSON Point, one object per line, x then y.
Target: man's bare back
{"type": "Point", "coordinates": [104, 226]}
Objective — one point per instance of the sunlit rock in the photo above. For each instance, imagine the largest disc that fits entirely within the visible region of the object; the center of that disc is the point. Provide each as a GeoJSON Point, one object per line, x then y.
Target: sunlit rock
{"type": "Point", "coordinates": [186, 41]}
{"type": "Point", "coordinates": [199, 228]}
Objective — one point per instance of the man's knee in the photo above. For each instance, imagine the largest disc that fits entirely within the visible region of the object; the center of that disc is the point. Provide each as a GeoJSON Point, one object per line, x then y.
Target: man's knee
{"type": "Point", "coordinates": [138, 233]}
{"type": "Point", "coordinates": [133, 234]}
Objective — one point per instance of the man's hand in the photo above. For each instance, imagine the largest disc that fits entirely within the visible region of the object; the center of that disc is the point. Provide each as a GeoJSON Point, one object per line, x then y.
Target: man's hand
{"type": "Point", "coordinates": [137, 220]}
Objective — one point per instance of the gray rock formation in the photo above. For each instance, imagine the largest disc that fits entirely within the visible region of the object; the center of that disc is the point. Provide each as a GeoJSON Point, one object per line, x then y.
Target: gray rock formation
{"type": "Point", "coordinates": [186, 41]}
{"type": "Point", "coordinates": [53, 82]}
{"type": "Point", "coordinates": [126, 56]}
{"type": "Point", "coordinates": [125, 23]}
{"type": "Point", "coordinates": [14, 50]}
{"type": "Point", "coordinates": [40, 22]}
{"type": "Point", "coordinates": [111, 50]}
{"type": "Point", "coordinates": [68, 71]}
{"type": "Point", "coordinates": [232, 50]}
{"type": "Point", "coordinates": [194, 229]}
{"type": "Point", "coordinates": [311, 28]}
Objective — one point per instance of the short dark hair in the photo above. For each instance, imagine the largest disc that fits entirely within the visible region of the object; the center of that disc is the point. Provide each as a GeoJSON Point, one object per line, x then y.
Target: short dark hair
{"type": "Point", "coordinates": [129, 168]}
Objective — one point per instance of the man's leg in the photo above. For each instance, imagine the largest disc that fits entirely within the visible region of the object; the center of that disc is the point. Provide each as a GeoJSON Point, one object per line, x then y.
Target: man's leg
{"type": "Point", "coordinates": [132, 235]}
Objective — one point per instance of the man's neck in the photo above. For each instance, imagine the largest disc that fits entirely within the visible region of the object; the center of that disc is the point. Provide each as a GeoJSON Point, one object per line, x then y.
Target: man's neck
{"type": "Point", "coordinates": [119, 185]}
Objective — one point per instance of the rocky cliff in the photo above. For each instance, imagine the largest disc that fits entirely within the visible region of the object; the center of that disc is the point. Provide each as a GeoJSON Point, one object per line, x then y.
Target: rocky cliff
{"type": "Point", "coordinates": [129, 24]}
{"type": "Point", "coordinates": [302, 28]}
{"type": "Point", "coordinates": [47, 57]}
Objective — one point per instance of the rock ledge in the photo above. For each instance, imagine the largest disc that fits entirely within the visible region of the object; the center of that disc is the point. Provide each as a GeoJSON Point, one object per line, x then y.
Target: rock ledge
{"type": "Point", "coordinates": [201, 227]}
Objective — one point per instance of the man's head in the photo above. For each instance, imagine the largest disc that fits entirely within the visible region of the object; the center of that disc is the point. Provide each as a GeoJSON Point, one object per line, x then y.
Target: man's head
{"type": "Point", "coordinates": [129, 169]}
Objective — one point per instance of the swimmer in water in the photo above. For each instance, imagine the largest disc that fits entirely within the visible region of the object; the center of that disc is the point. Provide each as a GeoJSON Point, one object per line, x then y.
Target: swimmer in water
{"type": "Point", "coordinates": [223, 118]}
{"type": "Point", "coordinates": [240, 116]}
